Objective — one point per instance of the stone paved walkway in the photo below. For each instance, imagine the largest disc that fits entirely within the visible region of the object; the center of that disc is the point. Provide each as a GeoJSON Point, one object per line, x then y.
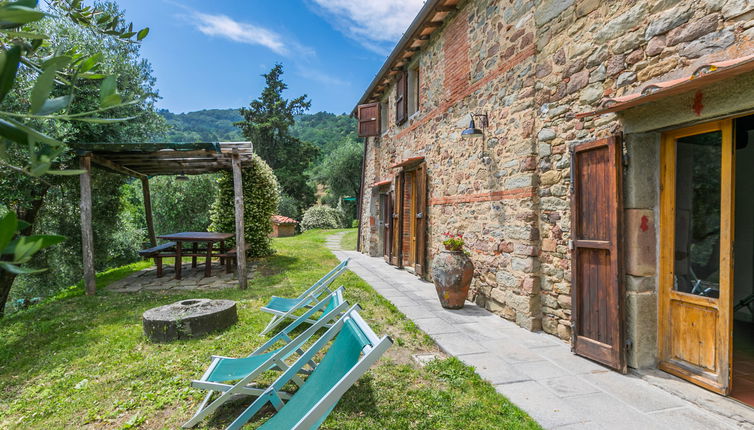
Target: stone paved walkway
{"type": "Point", "coordinates": [539, 373]}
{"type": "Point", "coordinates": [192, 279]}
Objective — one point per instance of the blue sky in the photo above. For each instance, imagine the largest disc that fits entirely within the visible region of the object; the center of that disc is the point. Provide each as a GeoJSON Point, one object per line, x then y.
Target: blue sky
{"type": "Point", "coordinates": [211, 54]}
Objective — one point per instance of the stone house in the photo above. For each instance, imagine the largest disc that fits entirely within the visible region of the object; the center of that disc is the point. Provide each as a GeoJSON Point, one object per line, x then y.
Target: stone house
{"type": "Point", "coordinates": [606, 198]}
{"type": "Point", "coordinates": [282, 226]}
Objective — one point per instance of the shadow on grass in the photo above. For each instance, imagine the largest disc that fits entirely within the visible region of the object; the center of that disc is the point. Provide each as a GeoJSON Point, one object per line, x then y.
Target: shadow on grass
{"type": "Point", "coordinates": [359, 400]}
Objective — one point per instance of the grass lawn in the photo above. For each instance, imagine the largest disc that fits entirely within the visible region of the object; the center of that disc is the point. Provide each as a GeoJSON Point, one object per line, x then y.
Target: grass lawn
{"type": "Point", "coordinates": [77, 361]}
{"type": "Point", "coordinates": [348, 242]}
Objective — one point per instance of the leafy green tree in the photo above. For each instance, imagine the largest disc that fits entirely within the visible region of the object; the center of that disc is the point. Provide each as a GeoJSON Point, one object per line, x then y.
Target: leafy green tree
{"type": "Point", "coordinates": [50, 203]}
{"type": "Point", "coordinates": [341, 170]}
{"type": "Point", "coordinates": [176, 205]}
{"type": "Point", "coordinates": [261, 196]}
{"type": "Point", "coordinates": [266, 123]}
{"type": "Point", "coordinates": [325, 130]}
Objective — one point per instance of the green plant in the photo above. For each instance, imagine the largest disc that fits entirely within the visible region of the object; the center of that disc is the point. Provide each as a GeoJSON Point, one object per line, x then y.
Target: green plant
{"type": "Point", "coordinates": [17, 249]}
{"type": "Point", "coordinates": [58, 72]}
{"type": "Point", "coordinates": [453, 242]}
{"type": "Point", "coordinates": [260, 194]}
{"type": "Point", "coordinates": [355, 223]}
{"type": "Point", "coordinates": [321, 216]}
{"type": "Point", "coordinates": [288, 206]}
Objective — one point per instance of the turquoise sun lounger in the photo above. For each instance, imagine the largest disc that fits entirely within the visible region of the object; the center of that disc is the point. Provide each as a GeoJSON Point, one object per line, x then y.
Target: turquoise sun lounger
{"type": "Point", "coordinates": [247, 369]}
{"type": "Point", "coordinates": [283, 308]}
{"type": "Point", "coordinates": [354, 350]}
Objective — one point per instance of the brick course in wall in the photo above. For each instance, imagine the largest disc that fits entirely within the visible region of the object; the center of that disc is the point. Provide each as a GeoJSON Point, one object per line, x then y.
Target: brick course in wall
{"type": "Point", "coordinates": [531, 66]}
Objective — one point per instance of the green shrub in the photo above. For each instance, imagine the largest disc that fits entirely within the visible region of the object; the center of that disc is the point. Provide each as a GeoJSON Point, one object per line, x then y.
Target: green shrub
{"type": "Point", "coordinates": [260, 198]}
{"type": "Point", "coordinates": [355, 223]}
{"type": "Point", "coordinates": [288, 206]}
{"type": "Point", "coordinates": [321, 216]}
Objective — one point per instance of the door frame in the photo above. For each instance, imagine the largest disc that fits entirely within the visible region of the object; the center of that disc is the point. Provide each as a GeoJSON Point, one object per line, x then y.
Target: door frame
{"type": "Point", "coordinates": [723, 304]}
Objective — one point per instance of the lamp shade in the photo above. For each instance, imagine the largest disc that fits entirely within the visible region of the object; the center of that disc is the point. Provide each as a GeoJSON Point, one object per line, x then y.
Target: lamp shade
{"type": "Point", "coordinates": [472, 132]}
{"type": "Point", "coordinates": [181, 177]}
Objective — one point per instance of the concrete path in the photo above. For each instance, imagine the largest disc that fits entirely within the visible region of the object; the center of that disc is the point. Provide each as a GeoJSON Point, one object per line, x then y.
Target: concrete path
{"type": "Point", "coordinates": [539, 373]}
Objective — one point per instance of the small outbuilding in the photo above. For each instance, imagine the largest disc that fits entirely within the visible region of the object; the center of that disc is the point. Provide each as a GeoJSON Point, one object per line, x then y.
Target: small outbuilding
{"type": "Point", "coordinates": [282, 226]}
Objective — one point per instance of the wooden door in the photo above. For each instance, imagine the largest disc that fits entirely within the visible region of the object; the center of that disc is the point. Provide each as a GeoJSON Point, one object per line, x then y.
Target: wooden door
{"type": "Point", "coordinates": [597, 279]}
{"type": "Point", "coordinates": [421, 219]}
{"type": "Point", "coordinates": [387, 226]}
{"type": "Point", "coordinates": [696, 263]}
{"type": "Point", "coordinates": [409, 223]}
{"type": "Point", "coordinates": [396, 258]}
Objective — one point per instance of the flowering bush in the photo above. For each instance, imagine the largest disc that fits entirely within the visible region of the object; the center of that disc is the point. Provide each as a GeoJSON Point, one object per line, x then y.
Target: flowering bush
{"type": "Point", "coordinates": [321, 216]}
{"type": "Point", "coordinates": [260, 201]}
{"type": "Point", "coordinates": [453, 242]}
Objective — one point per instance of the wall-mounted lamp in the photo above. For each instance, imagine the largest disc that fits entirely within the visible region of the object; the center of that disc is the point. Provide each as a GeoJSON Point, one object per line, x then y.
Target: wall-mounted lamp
{"type": "Point", "coordinates": [473, 132]}
{"type": "Point", "coordinates": [181, 177]}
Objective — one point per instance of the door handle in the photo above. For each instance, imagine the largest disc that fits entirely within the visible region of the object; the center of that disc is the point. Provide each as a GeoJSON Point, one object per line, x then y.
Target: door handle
{"type": "Point", "coordinates": [420, 215]}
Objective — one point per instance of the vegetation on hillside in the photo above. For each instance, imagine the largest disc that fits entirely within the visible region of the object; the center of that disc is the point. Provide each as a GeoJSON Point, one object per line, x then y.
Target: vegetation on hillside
{"type": "Point", "coordinates": [337, 166]}
{"type": "Point", "coordinates": [209, 125]}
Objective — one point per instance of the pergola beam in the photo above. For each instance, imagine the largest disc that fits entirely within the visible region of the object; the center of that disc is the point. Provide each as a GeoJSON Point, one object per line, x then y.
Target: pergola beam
{"type": "Point", "coordinates": [104, 162]}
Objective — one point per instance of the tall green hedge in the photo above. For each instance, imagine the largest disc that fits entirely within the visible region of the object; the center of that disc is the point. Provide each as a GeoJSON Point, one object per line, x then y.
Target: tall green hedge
{"type": "Point", "coordinates": [260, 197]}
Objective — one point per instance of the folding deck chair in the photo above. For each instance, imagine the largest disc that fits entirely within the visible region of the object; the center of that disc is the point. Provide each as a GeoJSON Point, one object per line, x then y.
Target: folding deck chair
{"type": "Point", "coordinates": [342, 365]}
{"type": "Point", "coordinates": [246, 370]}
{"type": "Point", "coordinates": [283, 308]}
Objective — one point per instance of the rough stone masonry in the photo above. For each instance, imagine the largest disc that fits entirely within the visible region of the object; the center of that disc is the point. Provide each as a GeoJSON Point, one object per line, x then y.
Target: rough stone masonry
{"type": "Point", "coordinates": [531, 66]}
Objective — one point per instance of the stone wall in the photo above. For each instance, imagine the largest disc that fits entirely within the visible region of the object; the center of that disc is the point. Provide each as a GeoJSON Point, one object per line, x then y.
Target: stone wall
{"type": "Point", "coordinates": [531, 66]}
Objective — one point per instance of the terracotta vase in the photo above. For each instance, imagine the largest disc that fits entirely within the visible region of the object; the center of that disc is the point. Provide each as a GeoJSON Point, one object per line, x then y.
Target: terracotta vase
{"type": "Point", "coordinates": [452, 272]}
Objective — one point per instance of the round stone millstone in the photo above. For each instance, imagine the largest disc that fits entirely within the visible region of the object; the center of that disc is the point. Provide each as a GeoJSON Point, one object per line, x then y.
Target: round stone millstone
{"type": "Point", "coordinates": [188, 319]}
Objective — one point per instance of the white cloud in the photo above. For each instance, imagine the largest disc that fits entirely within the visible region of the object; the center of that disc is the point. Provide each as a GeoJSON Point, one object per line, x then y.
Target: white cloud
{"type": "Point", "coordinates": [376, 25]}
{"type": "Point", "coordinates": [224, 26]}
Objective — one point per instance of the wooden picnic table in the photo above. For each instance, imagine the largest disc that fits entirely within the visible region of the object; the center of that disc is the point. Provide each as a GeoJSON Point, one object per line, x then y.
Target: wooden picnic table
{"type": "Point", "coordinates": [210, 238]}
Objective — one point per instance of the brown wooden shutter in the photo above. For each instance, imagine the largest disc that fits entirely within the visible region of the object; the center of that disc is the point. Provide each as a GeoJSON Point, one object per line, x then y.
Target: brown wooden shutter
{"type": "Point", "coordinates": [401, 96]}
{"type": "Point", "coordinates": [369, 119]}
{"type": "Point", "coordinates": [421, 219]}
{"type": "Point", "coordinates": [597, 275]}
{"type": "Point", "coordinates": [397, 256]}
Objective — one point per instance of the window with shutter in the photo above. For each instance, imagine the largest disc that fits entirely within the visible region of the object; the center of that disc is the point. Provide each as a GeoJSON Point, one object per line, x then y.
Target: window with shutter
{"type": "Point", "coordinates": [401, 102]}
{"type": "Point", "coordinates": [413, 90]}
{"type": "Point", "coordinates": [369, 119]}
{"type": "Point", "coordinates": [384, 115]}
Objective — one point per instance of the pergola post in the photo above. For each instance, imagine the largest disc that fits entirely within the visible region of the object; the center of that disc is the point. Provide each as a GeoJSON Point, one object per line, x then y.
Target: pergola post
{"type": "Point", "coordinates": [148, 210]}
{"type": "Point", "coordinates": [239, 212]}
{"type": "Point", "coordinates": [87, 237]}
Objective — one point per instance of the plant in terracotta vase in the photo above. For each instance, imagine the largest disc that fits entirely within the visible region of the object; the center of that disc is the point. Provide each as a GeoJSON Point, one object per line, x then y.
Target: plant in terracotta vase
{"type": "Point", "coordinates": [452, 272]}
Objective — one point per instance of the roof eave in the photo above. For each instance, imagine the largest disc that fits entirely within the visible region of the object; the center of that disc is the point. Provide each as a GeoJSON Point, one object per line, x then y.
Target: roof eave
{"type": "Point", "coordinates": [408, 37]}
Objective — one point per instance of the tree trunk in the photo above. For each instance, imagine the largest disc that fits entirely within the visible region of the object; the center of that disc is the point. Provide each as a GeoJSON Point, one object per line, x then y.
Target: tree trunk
{"type": "Point", "coordinates": [29, 215]}
{"type": "Point", "coordinates": [6, 281]}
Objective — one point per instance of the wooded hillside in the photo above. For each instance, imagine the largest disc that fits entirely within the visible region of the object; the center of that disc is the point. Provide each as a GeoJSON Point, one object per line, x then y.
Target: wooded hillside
{"type": "Point", "coordinates": [323, 129]}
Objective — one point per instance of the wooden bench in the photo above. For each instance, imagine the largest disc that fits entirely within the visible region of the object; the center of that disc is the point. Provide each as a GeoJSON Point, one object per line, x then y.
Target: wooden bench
{"type": "Point", "coordinates": [157, 253]}
{"type": "Point", "coordinates": [230, 259]}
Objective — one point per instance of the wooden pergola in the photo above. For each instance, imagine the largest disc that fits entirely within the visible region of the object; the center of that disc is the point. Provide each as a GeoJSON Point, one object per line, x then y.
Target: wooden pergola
{"type": "Point", "coordinates": [144, 160]}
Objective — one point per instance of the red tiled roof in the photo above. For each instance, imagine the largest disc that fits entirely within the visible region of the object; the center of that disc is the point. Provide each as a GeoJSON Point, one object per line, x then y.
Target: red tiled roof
{"type": "Point", "coordinates": [702, 77]}
{"type": "Point", "coordinates": [408, 161]}
{"type": "Point", "coordinates": [279, 219]}
{"type": "Point", "coordinates": [381, 183]}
